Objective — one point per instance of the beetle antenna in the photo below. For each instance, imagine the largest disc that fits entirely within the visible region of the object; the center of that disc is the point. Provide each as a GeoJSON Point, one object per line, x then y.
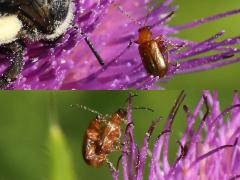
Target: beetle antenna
{"type": "Point", "coordinates": [163, 19]}
{"type": "Point", "coordinates": [148, 15]}
{"type": "Point", "coordinates": [126, 14]}
{"type": "Point", "coordinates": [85, 108]}
{"type": "Point", "coordinates": [146, 19]}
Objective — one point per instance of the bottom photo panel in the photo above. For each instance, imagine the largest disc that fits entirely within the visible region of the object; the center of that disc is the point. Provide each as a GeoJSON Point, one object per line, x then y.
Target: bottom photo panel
{"type": "Point", "coordinates": [129, 135]}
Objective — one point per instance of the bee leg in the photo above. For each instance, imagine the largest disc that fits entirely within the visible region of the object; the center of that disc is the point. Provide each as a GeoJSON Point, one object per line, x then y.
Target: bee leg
{"type": "Point", "coordinates": [10, 74]}
{"type": "Point", "coordinates": [93, 49]}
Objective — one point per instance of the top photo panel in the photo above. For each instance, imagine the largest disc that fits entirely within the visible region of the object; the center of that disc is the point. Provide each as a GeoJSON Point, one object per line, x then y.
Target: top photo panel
{"type": "Point", "coordinates": [119, 45]}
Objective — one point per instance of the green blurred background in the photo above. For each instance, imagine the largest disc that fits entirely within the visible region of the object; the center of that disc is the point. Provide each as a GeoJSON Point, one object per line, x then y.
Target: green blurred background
{"type": "Point", "coordinates": [29, 152]}
{"type": "Point", "coordinates": [224, 77]}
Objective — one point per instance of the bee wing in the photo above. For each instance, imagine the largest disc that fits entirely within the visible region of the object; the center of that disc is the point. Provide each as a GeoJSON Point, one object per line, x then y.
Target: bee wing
{"type": "Point", "coordinates": [37, 12]}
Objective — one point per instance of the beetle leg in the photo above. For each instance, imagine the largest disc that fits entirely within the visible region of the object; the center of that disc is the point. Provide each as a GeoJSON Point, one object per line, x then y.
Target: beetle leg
{"type": "Point", "coordinates": [123, 51]}
{"type": "Point", "coordinates": [176, 65]}
{"type": "Point", "coordinates": [170, 44]}
{"type": "Point", "coordinates": [162, 44]}
{"type": "Point", "coordinates": [110, 165]}
{"type": "Point", "coordinates": [16, 64]}
{"type": "Point", "coordinates": [167, 44]}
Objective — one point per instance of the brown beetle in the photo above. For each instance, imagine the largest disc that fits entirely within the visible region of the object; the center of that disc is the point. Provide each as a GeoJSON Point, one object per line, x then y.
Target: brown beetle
{"type": "Point", "coordinates": [102, 137]}
{"type": "Point", "coordinates": [153, 51]}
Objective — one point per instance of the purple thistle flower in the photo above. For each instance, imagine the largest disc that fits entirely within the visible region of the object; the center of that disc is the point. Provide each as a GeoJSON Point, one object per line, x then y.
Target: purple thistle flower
{"type": "Point", "coordinates": [47, 64]}
{"type": "Point", "coordinates": [214, 155]}
{"type": "Point", "coordinates": [68, 63]}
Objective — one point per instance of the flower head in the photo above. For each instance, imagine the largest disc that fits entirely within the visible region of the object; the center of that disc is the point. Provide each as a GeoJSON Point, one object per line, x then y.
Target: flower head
{"type": "Point", "coordinates": [68, 63]}
{"type": "Point", "coordinates": [214, 155]}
